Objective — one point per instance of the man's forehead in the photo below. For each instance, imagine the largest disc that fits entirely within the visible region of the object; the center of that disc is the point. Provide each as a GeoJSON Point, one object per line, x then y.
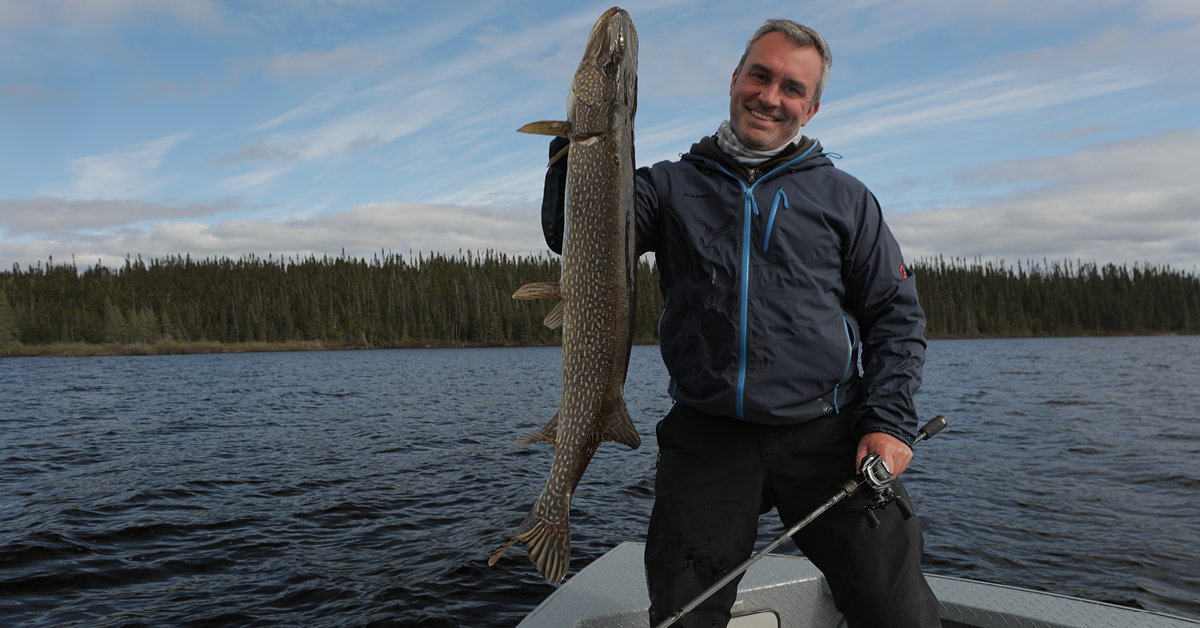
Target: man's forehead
{"type": "Point", "coordinates": [789, 66]}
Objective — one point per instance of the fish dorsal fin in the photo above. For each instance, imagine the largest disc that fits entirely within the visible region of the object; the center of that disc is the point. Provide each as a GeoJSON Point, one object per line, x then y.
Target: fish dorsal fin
{"type": "Point", "coordinates": [548, 434]}
{"type": "Point", "coordinates": [620, 428]}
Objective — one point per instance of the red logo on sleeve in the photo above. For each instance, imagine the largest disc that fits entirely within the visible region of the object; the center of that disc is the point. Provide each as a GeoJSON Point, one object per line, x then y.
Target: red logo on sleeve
{"type": "Point", "coordinates": [903, 273]}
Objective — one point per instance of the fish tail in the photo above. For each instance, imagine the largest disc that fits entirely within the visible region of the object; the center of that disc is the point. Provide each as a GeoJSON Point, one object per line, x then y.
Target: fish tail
{"type": "Point", "coordinates": [548, 543]}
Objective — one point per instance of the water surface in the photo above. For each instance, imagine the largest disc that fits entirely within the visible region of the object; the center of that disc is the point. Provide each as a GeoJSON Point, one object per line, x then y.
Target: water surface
{"type": "Point", "coordinates": [367, 488]}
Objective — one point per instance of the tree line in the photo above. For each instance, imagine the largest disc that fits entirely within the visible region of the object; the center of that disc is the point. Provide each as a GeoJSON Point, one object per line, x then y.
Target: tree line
{"type": "Point", "coordinates": [393, 300]}
{"type": "Point", "coordinates": [388, 300]}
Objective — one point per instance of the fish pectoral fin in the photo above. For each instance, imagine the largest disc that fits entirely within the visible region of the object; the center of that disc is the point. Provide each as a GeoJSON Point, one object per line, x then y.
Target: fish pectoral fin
{"type": "Point", "coordinates": [559, 155]}
{"type": "Point", "coordinates": [548, 434]}
{"type": "Point", "coordinates": [539, 290]}
{"type": "Point", "coordinates": [554, 319]}
{"type": "Point", "coordinates": [557, 128]}
{"type": "Point", "coordinates": [620, 428]}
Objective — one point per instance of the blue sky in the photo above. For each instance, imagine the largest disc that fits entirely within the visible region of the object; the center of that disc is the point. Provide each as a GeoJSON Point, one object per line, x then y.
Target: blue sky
{"type": "Point", "coordinates": [1001, 129]}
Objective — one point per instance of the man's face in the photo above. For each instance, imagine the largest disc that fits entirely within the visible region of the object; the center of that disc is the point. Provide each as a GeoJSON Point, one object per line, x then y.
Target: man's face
{"type": "Point", "coordinates": [770, 96]}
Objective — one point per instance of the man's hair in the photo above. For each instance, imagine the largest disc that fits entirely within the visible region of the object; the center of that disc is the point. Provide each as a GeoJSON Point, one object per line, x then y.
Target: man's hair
{"type": "Point", "coordinates": [801, 36]}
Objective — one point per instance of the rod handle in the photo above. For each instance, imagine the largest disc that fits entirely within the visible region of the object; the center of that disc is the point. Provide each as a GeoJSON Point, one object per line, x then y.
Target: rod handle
{"type": "Point", "coordinates": [930, 429]}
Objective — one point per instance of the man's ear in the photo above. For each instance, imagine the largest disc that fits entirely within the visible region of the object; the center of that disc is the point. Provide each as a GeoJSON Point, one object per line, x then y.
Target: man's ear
{"type": "Point", "coordinates": [812, 111]}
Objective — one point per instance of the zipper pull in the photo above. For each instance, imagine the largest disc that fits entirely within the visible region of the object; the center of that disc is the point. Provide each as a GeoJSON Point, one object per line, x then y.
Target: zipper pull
{"type": "Point", "coordinates": [779, 196]}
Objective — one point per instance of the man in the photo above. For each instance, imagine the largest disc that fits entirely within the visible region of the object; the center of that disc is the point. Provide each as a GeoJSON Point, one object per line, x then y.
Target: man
{"type": "Point", "coordinates": [779, 276]}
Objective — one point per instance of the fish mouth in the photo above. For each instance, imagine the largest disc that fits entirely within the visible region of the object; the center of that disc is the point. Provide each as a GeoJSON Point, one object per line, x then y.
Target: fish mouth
{"type": "Point", "coordinates": [612, 40]}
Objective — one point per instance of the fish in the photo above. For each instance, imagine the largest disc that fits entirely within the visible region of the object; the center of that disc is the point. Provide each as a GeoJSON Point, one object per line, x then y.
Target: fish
{"type": "Point", "coordinates": [597, 285]}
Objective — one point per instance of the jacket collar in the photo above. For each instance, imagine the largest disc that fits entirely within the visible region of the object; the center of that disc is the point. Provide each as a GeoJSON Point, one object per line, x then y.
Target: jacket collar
{"type": "Point", "coordinates": [707, 147]}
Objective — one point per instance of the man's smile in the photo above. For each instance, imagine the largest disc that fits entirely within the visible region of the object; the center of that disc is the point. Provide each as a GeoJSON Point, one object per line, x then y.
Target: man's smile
{"type": "Point", "coordinates": [761, 116]}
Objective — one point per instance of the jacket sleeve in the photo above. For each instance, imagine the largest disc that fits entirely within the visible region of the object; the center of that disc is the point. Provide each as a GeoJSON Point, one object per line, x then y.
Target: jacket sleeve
{"type": "Point", "coordinates": [882, 294]}
{"type": "Point", "coordinates": [554, 197]}
{"type": "Point", "coordinates": [554, 203]}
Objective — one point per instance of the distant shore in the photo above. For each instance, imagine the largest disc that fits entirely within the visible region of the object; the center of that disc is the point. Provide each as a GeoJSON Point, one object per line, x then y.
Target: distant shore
{"type": "Point", "coordinates": [174, 347]}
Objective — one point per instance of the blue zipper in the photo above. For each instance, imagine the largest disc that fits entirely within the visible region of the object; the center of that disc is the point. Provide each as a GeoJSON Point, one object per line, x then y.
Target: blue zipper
{"type": "Point", "coordinates": [749, 209]}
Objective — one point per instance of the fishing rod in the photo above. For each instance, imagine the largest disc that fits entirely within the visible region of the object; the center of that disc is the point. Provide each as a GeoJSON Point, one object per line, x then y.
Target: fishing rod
{"type": "Point", "coordinates": [873, 476]}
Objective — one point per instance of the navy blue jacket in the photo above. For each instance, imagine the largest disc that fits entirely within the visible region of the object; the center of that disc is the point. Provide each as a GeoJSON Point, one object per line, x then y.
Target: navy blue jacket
{"type": "Point", "coordinates": [776, 281]}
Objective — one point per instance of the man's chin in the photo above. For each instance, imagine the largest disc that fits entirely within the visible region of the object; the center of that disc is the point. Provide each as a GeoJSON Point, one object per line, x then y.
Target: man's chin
{"type": "Point", "coordinates": [760, 142]}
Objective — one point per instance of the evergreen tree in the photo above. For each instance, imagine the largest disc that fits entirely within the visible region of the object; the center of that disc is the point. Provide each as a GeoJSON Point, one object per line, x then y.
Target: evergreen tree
{"type": "Point", "coordinates": [8, 322]}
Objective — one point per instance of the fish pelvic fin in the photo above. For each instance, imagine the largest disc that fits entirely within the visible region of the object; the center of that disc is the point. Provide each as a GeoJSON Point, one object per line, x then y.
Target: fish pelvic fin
{"type": "Point", "coordinates": [548, 434]}
{"type": "Point", "coordinates": [548, 544]}
{"type": "Point", "coordinates": [556, 128]}
{"type": "Point", "coordinates": [620, 428]}
{"type": "Point", "coordinates": [539, 290]}
{"type": "Point", "coordinates": [554, 319]}
{"type": "Point", "coordinates": [545, 290]}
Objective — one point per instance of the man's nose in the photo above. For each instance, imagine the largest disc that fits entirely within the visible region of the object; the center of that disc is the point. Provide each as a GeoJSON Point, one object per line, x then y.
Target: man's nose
{"type": "Point", "coordinates": [771, 95]}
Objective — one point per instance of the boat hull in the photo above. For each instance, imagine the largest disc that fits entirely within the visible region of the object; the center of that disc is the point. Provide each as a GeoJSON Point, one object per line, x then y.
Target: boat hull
{"type": "Point", "coordinates": [790, 592]}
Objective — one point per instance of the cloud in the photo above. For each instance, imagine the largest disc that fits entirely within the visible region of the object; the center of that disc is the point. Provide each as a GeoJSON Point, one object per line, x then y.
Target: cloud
{"type": "Point", "coordinates": [123, 174]}
{"type": "Point", "coordinates": [255, 180]}
{"type": "Point", "coordinates": [317, 64]}
{"type": "Point", "coordinates": [1133, 200]}
{"type": "Point", "coordinates": [62, 218]}
{"type": "Point", "coordinates": [323, 102]}
{"type": "Point", "coordinates": [371, 127]}
{"type": "Point", "coordinates": [941, 103]}
{"type": "Point", "coordinates": [26, 98]}
{"type": "Point", "coordinates": [17, 15]}
{"type": "Point", "coordinates": [367, 229]}
{"type": "Point", "coordinates": [1072, 134]}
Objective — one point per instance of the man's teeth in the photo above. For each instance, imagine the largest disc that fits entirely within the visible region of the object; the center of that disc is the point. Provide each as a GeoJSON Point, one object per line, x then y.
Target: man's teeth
{"type": "Point", "coordinates": [761, 116]}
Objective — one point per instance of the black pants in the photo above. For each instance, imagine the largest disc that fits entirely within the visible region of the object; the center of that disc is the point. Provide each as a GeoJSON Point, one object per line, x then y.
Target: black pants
{"type": "Point", "coordinates": [716, 475]}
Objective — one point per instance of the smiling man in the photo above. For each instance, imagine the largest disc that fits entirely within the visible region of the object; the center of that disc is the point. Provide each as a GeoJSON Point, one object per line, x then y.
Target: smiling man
{"type": "Point", "coordinates": [780, 279]}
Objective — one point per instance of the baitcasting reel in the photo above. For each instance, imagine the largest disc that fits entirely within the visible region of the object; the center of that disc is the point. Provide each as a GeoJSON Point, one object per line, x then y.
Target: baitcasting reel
{"type": "Point", "coordinates": [875, 481]}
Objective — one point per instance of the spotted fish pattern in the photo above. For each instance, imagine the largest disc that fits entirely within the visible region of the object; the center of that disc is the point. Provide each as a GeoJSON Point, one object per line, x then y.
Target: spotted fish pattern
{"type": "Point", "coordinates": [599, 266]}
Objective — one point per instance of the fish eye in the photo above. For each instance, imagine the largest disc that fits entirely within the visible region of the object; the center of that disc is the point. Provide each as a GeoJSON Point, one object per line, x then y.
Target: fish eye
{"type": "Point", "coordinates": [610, 68]}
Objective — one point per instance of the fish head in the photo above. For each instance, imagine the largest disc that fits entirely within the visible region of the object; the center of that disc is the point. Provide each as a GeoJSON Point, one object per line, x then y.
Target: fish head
{"type": "Point", "coordinates": [605, 85]}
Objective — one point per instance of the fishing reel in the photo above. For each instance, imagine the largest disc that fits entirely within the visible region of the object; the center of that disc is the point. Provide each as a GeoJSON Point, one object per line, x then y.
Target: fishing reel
{"type": "Point", "coordinates": [875, 481]}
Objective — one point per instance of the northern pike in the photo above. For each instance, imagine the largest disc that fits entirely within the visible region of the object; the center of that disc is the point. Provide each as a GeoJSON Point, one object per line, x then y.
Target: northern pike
{"type": "Point", "coordinates": [597, 285]}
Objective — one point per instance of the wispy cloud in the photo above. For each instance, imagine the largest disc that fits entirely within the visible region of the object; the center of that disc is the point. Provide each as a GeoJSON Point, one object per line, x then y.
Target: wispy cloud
{"type": "Point", "coordinates": [123, 174]}
{"type": "Point", "coordinates": [943, 104]}
{"type": "Point", "coordinates": [320, 64]}
{"type": "Point", "coordinates": [26, 98]}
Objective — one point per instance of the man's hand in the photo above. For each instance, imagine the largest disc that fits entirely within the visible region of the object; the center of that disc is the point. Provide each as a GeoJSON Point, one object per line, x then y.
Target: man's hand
{"type": "Point", "coordinates": [895, 452]}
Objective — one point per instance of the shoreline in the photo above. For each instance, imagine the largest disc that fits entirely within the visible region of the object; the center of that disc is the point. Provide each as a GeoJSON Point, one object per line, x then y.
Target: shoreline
{"type": "Point", "coordinates": [174, 347]}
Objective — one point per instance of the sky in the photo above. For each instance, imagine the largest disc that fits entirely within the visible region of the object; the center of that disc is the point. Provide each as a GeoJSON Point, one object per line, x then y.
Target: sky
{"type": "Point", "coordinates": [1014, 130]}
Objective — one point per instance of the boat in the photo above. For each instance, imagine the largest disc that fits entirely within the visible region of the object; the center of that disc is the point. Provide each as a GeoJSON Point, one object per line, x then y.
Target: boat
{"type": "Point", "coordinates": [789, 592]}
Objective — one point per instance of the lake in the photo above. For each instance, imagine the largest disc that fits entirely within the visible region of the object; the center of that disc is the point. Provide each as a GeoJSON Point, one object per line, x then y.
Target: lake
{"type": "Point", "coordinates": [368, 488]}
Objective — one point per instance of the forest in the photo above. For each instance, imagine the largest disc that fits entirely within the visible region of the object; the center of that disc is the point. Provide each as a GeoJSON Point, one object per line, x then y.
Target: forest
{"type": "Point", "coordinates": [457, 300]}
